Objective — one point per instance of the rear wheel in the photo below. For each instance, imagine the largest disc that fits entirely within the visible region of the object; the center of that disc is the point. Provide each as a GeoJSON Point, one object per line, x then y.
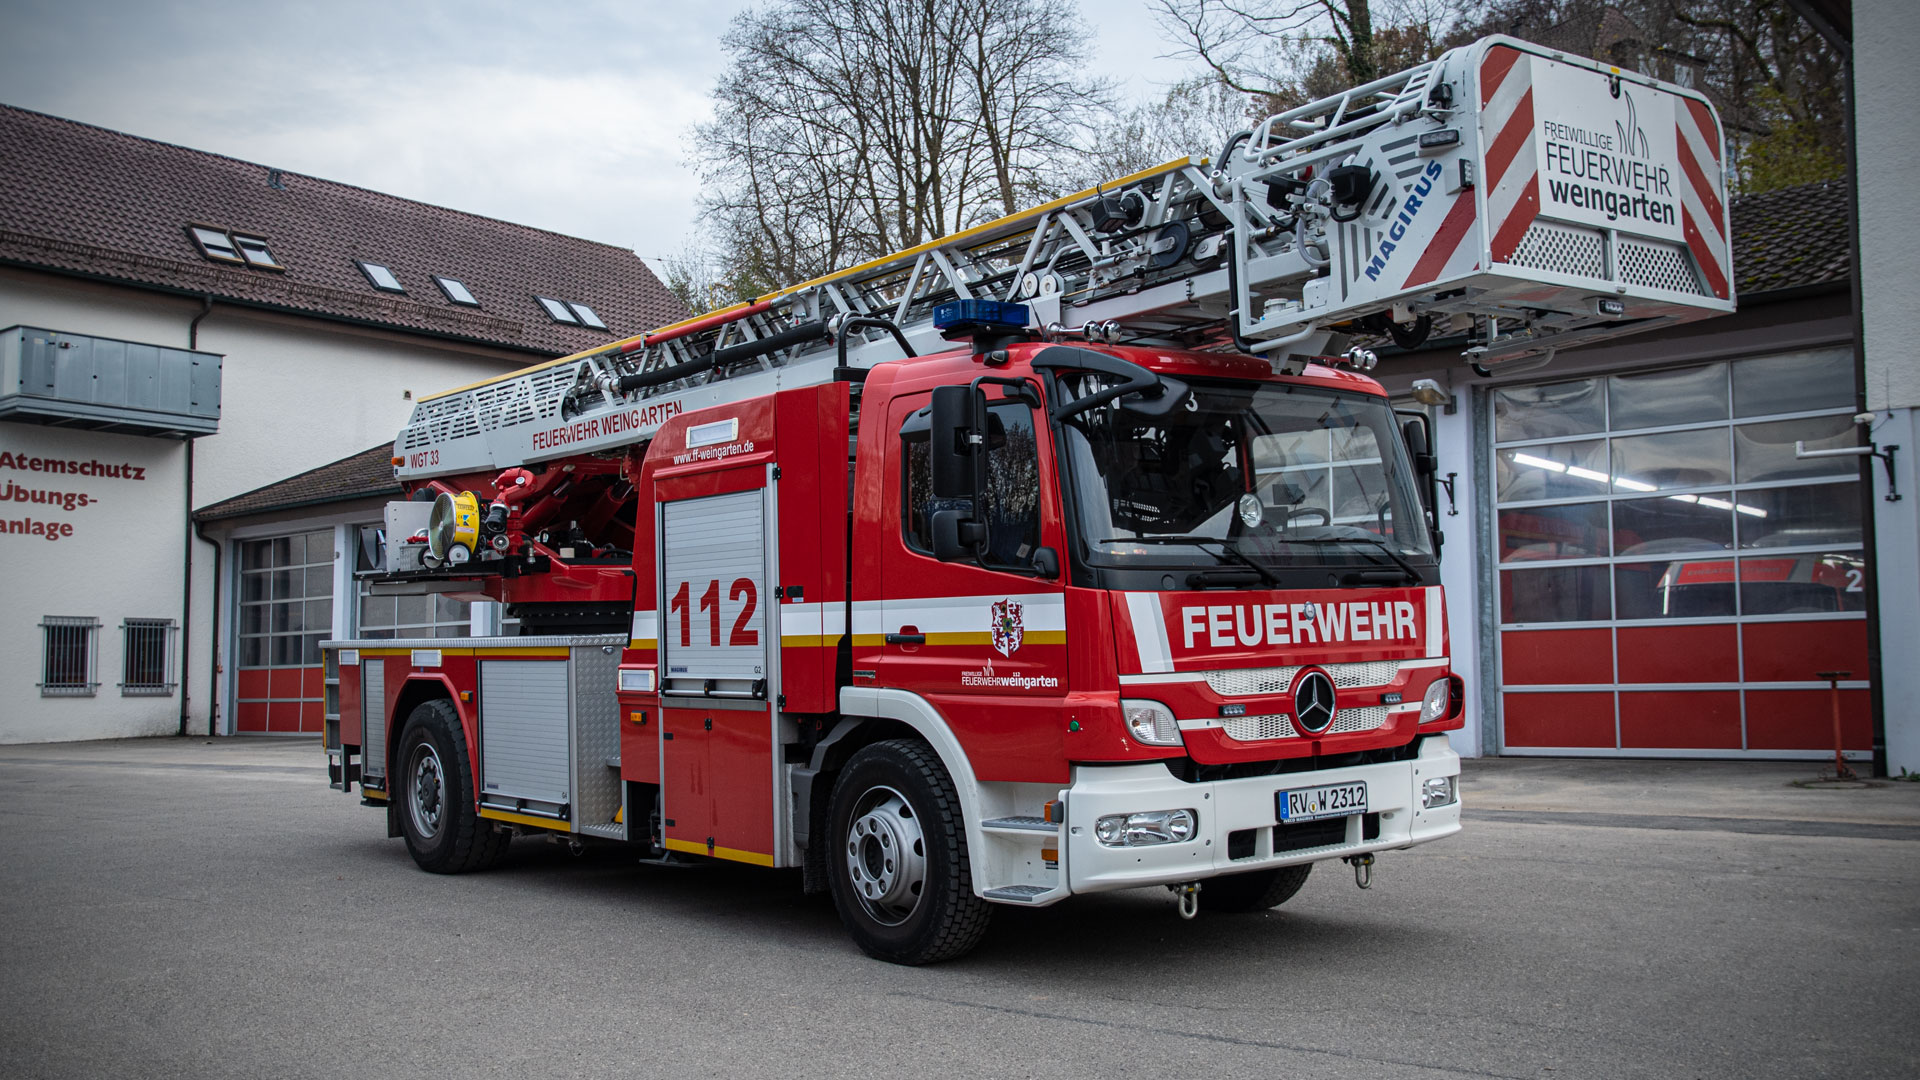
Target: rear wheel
{"type": "Point", "coordinates": [898, 869]}
{"type": "Point", "coordinates": [444, 834]}
{"type": "Point", "coordinates": [1255, 890]}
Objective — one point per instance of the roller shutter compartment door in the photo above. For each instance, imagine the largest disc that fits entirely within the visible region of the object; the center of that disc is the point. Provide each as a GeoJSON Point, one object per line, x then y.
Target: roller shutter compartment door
{"type": "Point", "coordinates": [523, 732]}
{"type": "Point", "coordinates": [713, 625]}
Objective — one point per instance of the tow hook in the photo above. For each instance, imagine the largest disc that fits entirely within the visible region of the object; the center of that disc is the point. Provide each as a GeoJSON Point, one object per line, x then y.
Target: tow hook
{"type": "Point", "coordinates": [1362, 869]}
{"type": "Point", "coordinates": [575, 847]}
{"type": "Point", "coordinates": [1189, 897]}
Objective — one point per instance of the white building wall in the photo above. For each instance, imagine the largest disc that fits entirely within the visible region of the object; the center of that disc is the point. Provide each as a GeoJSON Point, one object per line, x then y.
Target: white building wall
{"type": "Point", "coordinates": [296, 393]}
{"type": "Point", "coordinates": [1459, 565]}
{"type": "Point", "coordinates": [113, 552]}
{"type": "Point", "coordinates": [1886, 36]}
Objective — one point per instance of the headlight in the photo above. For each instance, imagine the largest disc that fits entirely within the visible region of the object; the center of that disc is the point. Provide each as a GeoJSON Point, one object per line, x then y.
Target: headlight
{"type": "Point", "coordinates": [1151, 723]}
{"type": "Point", "coordinates": [1436, 791]}
{"type": "Point", "coordinates": [1146, 829]}
{"type": "Point", "coordinates": [1434, 705]}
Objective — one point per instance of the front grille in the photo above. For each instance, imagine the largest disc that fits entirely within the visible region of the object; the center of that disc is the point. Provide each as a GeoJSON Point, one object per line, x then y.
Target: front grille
{"type": "Point", "coordinates": [1280, 725]}
{"type": "Point", "coordinates": [1255, 728]}
{"type": "Point", "coordinates": [1245, 682]}
{"type": "Point", "coordinates": [1365, 718]}
{"type": "Point", "coordinates": [1327, 832]}
{"type": "Point", "coordinates": [1248, 682]}
{"type": "Point", "coordinates": [1371, 673]}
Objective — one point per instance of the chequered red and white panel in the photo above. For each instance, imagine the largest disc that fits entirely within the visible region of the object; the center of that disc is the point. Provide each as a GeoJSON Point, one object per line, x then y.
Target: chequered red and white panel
{"type": "Point", "coordinates": [1513, 171]}
{"type": "Point", "coordinates": [1702, 206]}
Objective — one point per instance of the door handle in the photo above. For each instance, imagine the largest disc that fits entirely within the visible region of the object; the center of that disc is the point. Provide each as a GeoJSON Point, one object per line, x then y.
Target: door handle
{"type": "Point", "coordinates": [904, 638]}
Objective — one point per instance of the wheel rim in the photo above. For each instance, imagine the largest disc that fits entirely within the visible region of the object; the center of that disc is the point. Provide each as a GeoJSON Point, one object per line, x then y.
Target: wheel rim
{"type": "Point", "coordinates": [426, 790]}
{"type": "Point", "coordinates": [886, 856]}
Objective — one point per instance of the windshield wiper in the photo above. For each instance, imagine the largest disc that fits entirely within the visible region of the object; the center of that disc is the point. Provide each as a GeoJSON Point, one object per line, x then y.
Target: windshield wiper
{"type": "Point", "coordinates": [1381, 545]}
{"type": "Point", "coordinates": [1225, 545]}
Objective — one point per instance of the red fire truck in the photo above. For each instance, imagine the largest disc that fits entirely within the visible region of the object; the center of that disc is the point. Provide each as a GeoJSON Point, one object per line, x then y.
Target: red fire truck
{"type": "Point", "coordinates": [1072, 553]}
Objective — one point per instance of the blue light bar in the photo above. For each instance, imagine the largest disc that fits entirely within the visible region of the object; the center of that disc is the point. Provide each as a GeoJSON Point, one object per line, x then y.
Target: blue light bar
{"type": "Point", "coordinates": [981, 313]}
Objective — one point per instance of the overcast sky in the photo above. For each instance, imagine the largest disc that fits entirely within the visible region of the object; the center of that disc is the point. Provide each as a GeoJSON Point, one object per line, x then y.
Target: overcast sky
{"type": "Point", "coordinates": [568, 117]}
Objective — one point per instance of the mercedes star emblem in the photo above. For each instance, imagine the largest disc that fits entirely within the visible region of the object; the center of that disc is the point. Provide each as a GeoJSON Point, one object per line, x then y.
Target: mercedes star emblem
{"type": "Point", "coordinates": [1313, 702]}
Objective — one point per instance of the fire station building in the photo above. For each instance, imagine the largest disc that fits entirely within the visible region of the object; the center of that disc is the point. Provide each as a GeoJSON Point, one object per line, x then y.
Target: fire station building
{"type": "Point", "coordinates": [178, 329]}
{"type": "Point", "coordinates": [1637, 562]}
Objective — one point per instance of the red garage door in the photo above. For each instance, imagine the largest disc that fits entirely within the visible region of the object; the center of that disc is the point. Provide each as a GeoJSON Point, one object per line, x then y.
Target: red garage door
{"type": "Point", "coordinates": [286, 610]}
{"type": "Point", "coordinates": [1671, 576]}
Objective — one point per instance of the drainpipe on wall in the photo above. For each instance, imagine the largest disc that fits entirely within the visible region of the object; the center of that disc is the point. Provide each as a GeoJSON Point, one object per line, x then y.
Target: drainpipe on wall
{"type": "Point", "coordinates": [186, 592]}
{"type": "Point", "coordinates": [213, 636]}
{"type": "Point", "coordinates": [186, 572]}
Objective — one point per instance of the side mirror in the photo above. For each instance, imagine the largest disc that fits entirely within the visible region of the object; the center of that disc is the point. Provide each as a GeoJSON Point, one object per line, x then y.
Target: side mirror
{"type": "Point", "coordinates": [1420, 448]}
{"type": "Point", "coordinates": [1046, 562]}
{"type": "Point", "coordinates": [1414, 433]}
{"type": "Point", "coordinates": [958, 440]}
{"type": "Point", "coordinates": [955, 537]}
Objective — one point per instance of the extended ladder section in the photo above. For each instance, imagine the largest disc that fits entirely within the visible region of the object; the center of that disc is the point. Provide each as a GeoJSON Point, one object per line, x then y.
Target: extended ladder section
{"type": "Point", "coordinates": [1526, 199]}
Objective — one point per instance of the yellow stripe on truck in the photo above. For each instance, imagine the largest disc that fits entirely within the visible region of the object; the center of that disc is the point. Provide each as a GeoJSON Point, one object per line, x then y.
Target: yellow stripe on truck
{"type": "Point", "coordinates": [734, 854]}
{"type": "Point", "coordinates": [525, 819]}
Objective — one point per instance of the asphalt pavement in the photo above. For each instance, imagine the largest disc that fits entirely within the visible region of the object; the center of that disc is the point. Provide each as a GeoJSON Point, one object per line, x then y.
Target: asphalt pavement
{"type": "Point", "coordinates": [212, 909]}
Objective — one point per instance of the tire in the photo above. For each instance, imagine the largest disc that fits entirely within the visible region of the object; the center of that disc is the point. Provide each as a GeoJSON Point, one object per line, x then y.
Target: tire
{"type": "Point", "coordinates": [444, 834]}
{"type": "Point", "coordinates": [1255, 890]}
{"type": "Point", "coordinates": [897, 865]}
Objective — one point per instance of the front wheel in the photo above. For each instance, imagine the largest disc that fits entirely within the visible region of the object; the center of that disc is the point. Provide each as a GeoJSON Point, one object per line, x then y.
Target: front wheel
{"type": "Point", "coordinates": [898, 869]}
{"type": "Point", "coordinates": [1254, 890]}
{"type": "Point", "coordinates": [444, 834]}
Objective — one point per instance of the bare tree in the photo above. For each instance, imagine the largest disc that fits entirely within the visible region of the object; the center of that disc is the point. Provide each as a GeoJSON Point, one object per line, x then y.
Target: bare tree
{"type": "Point", "coordinates": [846, 129]}
{"type": "Point", "coordinates": [1194, 118]}
{"type": "Point", "coordinates": [1280, 49]}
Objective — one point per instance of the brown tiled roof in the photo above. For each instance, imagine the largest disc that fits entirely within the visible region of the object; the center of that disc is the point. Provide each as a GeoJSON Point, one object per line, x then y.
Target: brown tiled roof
{"type": "Point", "coordinates": [79, 198]}
{"type": "Point", "coordinates": [1791, 238]}
{"type": "Point", "coordinates": [367, 473]}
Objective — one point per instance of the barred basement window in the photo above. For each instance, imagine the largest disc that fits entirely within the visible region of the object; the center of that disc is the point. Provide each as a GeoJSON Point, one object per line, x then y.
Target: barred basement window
{"type": "Point", "coordinates": [147, 667]}
{"type": "Point", "coordinates": [67, 660]}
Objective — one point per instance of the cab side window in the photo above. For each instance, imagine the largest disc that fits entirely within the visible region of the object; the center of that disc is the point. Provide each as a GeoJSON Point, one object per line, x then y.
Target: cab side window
{"type": "Point", "coordinates": [1012, 505]}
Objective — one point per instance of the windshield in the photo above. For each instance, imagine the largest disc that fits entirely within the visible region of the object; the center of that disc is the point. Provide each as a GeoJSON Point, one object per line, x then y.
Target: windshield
{"type": "Point", "coordinates": [1328, 478]}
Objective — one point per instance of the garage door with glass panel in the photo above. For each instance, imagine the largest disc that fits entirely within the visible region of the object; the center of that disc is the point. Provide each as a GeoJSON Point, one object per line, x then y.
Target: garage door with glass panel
{"type": "Point", "coordinates": [285, 611]}
{"type": "Point", "coordinates": [1671, 576]}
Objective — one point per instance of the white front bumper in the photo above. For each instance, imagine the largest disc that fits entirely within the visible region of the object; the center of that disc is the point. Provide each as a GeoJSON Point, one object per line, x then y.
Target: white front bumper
{"type": "Point", "coordinates": [1228, 806]}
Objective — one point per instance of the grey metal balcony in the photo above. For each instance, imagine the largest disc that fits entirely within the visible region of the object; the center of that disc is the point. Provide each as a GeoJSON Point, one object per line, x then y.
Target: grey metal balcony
{"type": "Point", "coordinates": [101, 384]}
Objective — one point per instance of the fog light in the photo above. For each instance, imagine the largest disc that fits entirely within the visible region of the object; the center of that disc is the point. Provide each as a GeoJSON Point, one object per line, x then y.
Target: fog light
{"type": "Point", "coordinates": [1151, 723]}
{"type": "Point", "coordinates": [1146, 829]}
{"type": "Point", "coordinates": [1434, 705]}
{"type": "Point", "coordinates": [1436, 791]}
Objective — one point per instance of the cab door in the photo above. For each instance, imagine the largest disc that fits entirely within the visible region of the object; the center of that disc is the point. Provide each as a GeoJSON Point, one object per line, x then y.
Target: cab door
{"type": "Point", "coordinates": [984, 638]}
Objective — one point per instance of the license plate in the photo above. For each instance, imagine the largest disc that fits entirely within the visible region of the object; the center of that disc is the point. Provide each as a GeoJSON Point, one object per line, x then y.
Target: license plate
{"type": "Point", "coordinates": [1333, 800]}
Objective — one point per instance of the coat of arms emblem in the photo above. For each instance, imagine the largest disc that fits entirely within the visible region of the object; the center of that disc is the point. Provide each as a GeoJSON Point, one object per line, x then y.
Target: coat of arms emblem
{"type": "Point", "coordinates": [1007, 627]}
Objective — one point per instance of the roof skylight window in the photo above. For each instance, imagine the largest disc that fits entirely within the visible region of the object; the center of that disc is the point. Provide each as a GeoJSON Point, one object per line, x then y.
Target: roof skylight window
{"type": "Point", "coordinates": [215, 243]}
{"type": "Point", "coordinates": [587, 316]}
{"type": "Point", "coordinates": [381, 277]}
{"type": "Point", "coordinates": [255, 251]}
{"type": "Point", "coordinates": [456, 292]}
{"type": "Point", "coordinates": [558, 311]}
